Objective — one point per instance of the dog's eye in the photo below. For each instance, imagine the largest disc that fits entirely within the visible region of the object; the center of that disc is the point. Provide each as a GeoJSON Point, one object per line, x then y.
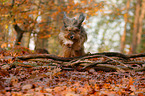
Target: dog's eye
{"type": "Point", "coordinates": [77, 30]}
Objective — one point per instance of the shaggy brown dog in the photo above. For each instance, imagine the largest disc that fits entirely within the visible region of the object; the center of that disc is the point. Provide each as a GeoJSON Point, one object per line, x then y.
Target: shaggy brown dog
{"type": "Point", "coordinates": [73, 36]}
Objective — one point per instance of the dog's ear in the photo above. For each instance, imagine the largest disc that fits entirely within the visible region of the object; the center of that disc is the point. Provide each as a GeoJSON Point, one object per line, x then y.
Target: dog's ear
{"type": "Point", "coordinates": [81, 19]}
{"type": "Point", "coordinates": [65, 20]}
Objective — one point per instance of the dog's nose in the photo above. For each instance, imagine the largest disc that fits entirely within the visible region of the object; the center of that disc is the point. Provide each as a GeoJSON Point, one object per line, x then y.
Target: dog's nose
{"type": "Point", "coordinates": [71, 37]}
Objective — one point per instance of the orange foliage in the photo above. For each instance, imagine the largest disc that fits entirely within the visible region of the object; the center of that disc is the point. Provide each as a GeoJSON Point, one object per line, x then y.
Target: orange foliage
{"type": "Point", "coordinates": [16, 51]}
{"type": "Point", "coordinates": [26, 12]}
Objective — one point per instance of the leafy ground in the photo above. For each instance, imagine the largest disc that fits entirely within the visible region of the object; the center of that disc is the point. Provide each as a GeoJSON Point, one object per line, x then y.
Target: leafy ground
{"type": "Point", "coordinates": [37, 78]}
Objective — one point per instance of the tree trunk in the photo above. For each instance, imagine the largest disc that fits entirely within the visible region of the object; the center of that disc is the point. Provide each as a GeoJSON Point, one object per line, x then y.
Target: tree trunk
{"type": "Point", "coordinates": [41, 40]}
{"type": "Point", "coordinates": [19, 34]}
{"type": "Point", "coordinates": [141, 25]}
{"type": "Point", "coordinates": [26, 39]}
{"type": "Point", "coordinates": [123, 38]}
{"type": "Point", "coordinates": [136, 25]}
{"type": "Point", "coordinates": [41, 43]}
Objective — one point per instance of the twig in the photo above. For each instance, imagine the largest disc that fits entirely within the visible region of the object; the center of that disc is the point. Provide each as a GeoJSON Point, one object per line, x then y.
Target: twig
{"type": "Point", "coordinates": [50, 56]}
{"type": "Point", "coordinates": [88, 62]}
{"type": "Point", "coordinates": [136, 55]}
{"type": "Point", "coordinates": [104, 65]}
{"type": "Point", "coordinates": [45, 61]}
{"type": "Point", "coordinates": [86, 57]}
{"type": "Point", "coordinates": [95, 56]}
{"type": "Point", "coordinates": [112, 54]}
{"type": "Point", "coordinates": [139, 69]}
{"type": "Point", "coordinates": [122, 64]}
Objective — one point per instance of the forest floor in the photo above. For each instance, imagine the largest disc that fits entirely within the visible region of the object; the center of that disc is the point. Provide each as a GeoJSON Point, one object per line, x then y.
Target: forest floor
{"type": "Point", "coordinates": [84, 76]}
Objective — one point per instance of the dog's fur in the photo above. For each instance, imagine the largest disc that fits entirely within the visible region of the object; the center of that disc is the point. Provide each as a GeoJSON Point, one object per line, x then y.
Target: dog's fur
{"type": "Point", "coordinates": [73, 36]}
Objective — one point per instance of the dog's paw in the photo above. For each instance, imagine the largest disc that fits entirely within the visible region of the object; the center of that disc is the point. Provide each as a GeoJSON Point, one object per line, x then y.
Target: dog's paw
{"type": "Point", "coordinates": [68, 43]}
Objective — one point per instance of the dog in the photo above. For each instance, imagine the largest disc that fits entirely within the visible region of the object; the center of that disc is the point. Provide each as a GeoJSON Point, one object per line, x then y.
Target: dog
{"type": "Point", "coordinates": [73, 36]}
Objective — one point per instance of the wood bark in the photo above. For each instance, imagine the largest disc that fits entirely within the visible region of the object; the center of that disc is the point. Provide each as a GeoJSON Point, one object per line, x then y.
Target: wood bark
{"type": "Point", "coordinates": [41, 41]}
{"type": "Point", "coordinates": [26, 39]}
{"type": "Point", "coordinates": [20, 33]}
{"type": "Point", "coordinates": [123, 38]}
{"type": "Point", "coordinates": [104, 61]}
{"type": "Point", "coordinates": [136, 25]}
{"type": "Point", "coordinates": [109, 54]}
{"type": "Point", "coordinates": [141, 25]}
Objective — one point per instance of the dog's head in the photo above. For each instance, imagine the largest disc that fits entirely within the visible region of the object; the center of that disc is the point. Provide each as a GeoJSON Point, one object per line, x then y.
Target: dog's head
{"type": "Point", "coordinates": [72, 26]}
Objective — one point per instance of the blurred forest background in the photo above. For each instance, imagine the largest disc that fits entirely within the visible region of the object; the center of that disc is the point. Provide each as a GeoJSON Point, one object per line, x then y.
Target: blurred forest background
{"type": "Point", "coordinates": [111, 25]}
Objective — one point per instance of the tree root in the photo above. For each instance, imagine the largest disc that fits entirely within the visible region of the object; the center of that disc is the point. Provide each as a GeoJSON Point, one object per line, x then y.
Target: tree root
{"type": "Point", "coordinates": [108, 60]}
{"type": "Point", "coordinates": [136, 55]}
